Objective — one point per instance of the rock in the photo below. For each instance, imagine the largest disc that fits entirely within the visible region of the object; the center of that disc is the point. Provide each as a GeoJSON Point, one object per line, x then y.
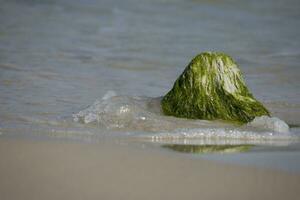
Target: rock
{"type": "Point", "coordinates": [211, 87]}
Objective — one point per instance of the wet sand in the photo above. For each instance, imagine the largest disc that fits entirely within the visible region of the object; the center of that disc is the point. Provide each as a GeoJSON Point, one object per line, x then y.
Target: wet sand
{"type": "Point", "coordinates": [36, 170]}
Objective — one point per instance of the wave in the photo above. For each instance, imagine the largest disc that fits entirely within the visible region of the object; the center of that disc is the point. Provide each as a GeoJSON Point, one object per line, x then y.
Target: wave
{"type": "Point", "coordinates": [142, 116]}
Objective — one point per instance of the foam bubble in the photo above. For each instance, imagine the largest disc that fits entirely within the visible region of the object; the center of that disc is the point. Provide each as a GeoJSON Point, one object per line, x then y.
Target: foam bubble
{"type": "Point", "coordinates": [109, 94]}
{"type": "Point", "coordinates": [141, 116]}
{"type": "Point", "coordinates": [270, 123]}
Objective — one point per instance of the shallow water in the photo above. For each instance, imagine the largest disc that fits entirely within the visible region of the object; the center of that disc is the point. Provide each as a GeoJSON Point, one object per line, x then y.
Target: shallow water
{"type": "Point", "coordinates": [60, 58]}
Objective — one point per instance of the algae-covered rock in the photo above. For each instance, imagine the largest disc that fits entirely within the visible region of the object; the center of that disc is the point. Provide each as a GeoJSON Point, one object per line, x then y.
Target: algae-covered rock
{"type": "Point", "coordinates": [211, 87]}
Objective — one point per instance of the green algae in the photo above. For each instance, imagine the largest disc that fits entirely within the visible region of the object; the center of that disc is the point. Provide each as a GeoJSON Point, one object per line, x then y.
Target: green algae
{"type": "Point", "coordinates": [209, 148]}
{"type": "Point", "coordinates": [212, 88]}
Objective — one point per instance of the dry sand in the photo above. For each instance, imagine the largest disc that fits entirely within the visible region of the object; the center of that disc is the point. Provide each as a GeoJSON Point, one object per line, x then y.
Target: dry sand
{"type": "Point", "coordinates": [42, 170]}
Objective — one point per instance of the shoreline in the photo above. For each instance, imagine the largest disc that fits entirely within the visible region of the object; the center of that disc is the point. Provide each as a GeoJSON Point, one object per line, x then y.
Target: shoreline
{"type": "Point", "coordinates": [33, 169]}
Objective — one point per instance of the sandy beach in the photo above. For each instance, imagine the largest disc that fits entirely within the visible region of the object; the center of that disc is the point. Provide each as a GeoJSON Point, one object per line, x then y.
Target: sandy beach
{"type": "Point", "coordinates": [67, 170]}
{"type": "Point", "coordinates": [82, 84]}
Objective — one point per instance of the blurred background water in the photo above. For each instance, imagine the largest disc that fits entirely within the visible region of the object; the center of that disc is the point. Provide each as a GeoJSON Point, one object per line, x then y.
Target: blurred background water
{"type": "Point", "coordinates": [59, 56]}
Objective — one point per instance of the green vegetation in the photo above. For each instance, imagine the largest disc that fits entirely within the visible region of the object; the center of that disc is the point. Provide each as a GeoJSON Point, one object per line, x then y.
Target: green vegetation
{"type": "Point", "coordinates": [211, 87]}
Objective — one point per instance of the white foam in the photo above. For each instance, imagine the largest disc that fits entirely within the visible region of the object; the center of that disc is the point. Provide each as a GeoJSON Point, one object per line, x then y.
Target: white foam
{"type": "Point", "coordinates": [136, 115]}
{"type": "Point", "coordinates": [109, 94]}
{"type": "Point", "coordinates": [270, 123]}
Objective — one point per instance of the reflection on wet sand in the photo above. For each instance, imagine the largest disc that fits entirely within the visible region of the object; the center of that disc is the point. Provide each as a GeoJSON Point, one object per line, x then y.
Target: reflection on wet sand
{"type": "Point", "coordinates": [209, 148]}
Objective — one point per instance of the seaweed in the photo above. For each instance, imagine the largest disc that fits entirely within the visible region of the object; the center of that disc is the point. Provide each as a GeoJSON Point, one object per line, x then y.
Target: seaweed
{"type": "Point", "coordinates": [212, 88]}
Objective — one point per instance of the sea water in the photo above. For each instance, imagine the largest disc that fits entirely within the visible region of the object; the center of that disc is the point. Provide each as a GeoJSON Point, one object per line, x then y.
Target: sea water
{"type": "Point", "coordinates": [90, 69]}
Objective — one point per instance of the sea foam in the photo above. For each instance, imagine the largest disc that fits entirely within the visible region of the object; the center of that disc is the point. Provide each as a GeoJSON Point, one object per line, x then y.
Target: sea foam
{"type": "Point", "coordinates": [143, 116]}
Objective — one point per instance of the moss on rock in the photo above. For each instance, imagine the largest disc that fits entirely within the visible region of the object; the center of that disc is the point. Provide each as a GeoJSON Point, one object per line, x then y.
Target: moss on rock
{"type": "Point", "coordinates": [211, 87]}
